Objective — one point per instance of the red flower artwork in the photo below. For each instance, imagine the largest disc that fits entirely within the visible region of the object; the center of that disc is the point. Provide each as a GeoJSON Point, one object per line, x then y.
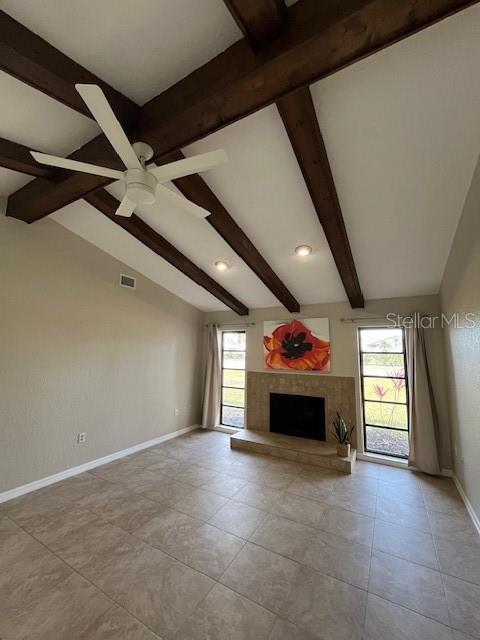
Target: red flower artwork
{"type": "Point", "coordinates": [293, 346]}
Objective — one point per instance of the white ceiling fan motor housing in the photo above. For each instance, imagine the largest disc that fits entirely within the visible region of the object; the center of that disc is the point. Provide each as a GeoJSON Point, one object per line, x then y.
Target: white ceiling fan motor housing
{"type": "Point", "coordinates": [141, 186]}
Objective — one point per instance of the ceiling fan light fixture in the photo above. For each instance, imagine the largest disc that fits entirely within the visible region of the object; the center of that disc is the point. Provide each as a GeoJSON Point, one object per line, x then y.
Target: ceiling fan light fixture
{"type": "Point", "coordinates": [221, 265]}
{"type": "Point", "coordinates": [141, 186]}
{"type": "Point", "coordinates": [303, 250]}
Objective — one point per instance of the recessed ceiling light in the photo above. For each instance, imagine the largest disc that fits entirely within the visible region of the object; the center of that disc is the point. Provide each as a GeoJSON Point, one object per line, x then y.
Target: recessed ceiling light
{"type": "Point", "coordinates": [221, 265]}
{"type": "Point", "coordinates": [303, 250]}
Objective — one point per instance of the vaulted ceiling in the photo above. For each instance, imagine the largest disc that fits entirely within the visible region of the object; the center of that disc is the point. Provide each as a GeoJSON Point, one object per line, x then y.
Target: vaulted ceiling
{"type": "Point", "coordinates": [366, 159]}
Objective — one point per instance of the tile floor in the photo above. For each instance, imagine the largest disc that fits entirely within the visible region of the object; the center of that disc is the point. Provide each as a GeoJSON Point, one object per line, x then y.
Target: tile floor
{"type": "Point", "coordinates": [192, 541]}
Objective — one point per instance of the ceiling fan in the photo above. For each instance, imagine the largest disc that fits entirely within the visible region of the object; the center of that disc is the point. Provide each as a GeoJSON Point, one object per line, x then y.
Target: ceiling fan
{"type": "Point", "coordinates": [142, 182]}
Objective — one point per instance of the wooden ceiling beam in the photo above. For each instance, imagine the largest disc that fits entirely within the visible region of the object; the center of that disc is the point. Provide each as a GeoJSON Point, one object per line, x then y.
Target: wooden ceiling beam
{"type": "Point", "coordinates": [17, 157]}
{"type": "Point", "coordinates": [31, 59]}
{"type": "Point", "coordinates": [322, 38]}
{"type": "Point", "coordinates": [300, 119]}
{"type": "Point", "coordinates": [260, 21]}
{"type": "Point", "coordinates": [197, 190]}
{"type": "Point", "coordinates": [298, 114]}
{"type": "Point", "coordinates": [136, 227]}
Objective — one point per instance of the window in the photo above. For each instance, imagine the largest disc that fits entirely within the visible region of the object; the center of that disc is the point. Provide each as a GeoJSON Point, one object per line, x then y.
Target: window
{"type": "Point", "coordinates": [384, 389]}
{"type": "Point", "coordinates": [232, 410]}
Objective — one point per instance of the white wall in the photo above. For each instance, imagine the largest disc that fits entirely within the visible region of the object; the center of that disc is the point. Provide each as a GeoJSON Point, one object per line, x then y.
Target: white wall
{"type": "Point", "coordinates": [343, 338]}
{"type": "Point", "coordinates": [460, 293]}
{"type": "Point", "coordinates": [79, 353]}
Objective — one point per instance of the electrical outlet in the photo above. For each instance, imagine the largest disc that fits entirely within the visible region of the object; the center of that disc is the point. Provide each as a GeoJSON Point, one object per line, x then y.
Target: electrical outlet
{"type": "Point", "coordinates": [81, 438]}
{"type": "Point", "coordinates": [177, 412]}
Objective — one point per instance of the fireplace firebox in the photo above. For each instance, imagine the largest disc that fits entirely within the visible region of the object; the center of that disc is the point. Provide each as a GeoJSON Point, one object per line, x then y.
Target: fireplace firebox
{"type": "Point", "coordinates": [301, 416]}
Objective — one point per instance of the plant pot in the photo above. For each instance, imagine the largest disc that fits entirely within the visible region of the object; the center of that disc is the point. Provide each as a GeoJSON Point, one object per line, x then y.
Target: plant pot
{"type": "Point", "coordinates": [343, 450]}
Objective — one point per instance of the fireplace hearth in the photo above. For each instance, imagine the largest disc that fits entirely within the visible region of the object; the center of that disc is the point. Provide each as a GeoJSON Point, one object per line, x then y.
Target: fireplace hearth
{"type": "Point", "coordinates": [297, 415]}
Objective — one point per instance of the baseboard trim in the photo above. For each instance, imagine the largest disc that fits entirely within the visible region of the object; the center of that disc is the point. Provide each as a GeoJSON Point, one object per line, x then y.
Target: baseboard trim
{"type": "Point", "coordinates": [73, 471]}
{"type": "Point", "coordinates": [468, 505]}
{"type": "Point", "coordinates": [223, 429]}
{"type": "Point", "coordinates": [386, 461]}
{"type": "Point", "coordinates": [391, 462]}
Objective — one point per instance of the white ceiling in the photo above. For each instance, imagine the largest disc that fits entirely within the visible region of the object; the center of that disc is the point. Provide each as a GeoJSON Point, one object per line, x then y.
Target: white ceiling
{"type": "Point", "coordinates": [90, 224]}
{"type": "Point", "coordinates": [263, 189]}
{"type": "Point", "coordinates": [33, 119]}
{"type": "Point", "coordinates": [140, 47]}
{"type": "Point", "coordinates": [401, 129]}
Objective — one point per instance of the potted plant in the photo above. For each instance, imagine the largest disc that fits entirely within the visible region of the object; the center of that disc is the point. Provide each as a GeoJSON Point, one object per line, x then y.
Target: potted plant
{"type": "Point", "coordinates": [343, 435]}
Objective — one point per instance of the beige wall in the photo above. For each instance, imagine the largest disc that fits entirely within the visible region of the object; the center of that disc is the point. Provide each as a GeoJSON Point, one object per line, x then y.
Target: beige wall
{"type": "Point", "coordinates": [343, 337]}
{"type": "Point", "coordinates": [460, 293]}
{"type": "Point", "coordinates": [79, 353]}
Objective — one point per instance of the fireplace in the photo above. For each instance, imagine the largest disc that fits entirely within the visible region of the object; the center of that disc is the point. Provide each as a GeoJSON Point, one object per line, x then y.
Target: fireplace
{"type": "Point", "coordinates": [294, 415]}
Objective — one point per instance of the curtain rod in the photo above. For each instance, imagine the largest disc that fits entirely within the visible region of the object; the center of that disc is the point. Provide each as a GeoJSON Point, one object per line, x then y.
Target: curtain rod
{"type": "Point", "coordinates": [234, 324]}
{"type": "Point", "coordinates": [362, 319]}
{"type": "Point", "coordinates": [397, 316]}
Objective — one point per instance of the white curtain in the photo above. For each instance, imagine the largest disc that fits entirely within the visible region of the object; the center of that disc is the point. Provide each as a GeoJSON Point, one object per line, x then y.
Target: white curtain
{"type": "Point", "coordinates": [212, 381]}
{"type": "Point", "coordinates": [424, 439]}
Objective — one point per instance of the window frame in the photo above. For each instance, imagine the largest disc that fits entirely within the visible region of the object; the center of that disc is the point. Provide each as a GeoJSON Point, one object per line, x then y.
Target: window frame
{"type": "Point", "coordinates": [222, 386]}
{"type": "Point", "coordinates": [362, 391]}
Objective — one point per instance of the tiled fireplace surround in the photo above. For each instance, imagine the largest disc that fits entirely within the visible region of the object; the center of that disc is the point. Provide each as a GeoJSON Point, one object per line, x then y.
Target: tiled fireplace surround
{"type": "Point", "coordinates": [338, 391]}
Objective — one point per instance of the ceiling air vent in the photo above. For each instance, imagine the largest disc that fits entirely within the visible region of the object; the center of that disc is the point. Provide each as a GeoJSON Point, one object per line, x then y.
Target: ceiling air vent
{"type": "Point", "coordinates": [127, 281]}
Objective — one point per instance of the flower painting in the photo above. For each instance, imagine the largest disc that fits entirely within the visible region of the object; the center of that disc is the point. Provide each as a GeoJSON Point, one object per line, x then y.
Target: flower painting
{"type": "Point", "coordinates": [299, 345]}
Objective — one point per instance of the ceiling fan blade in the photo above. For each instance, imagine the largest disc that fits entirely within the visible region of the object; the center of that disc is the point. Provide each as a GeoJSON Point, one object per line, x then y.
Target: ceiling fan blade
{"type": "Point", "coordinates": [187, 205]}
{"type": "Point", "coordinates": [96, 101]}
{"type": "Point", "coordinates": [187, 166]}
{"type": "Point", "coordinates": [74, 165]}
{"type": "Point", "coordinates": [125, 208]}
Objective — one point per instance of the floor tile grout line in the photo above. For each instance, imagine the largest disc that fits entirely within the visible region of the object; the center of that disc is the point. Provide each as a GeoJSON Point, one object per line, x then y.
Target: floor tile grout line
{"type": "Point", "coordinates": [132, 534]}
{"type": "Point", "coordinates": [394, 555]}
{"type": "Point", "coordinates": [405, 526]}
{"type": "Point", "coordinates": [306, 566]}
{"type": "Point", "coordinates": [268, 512]}
{"type": "Point", "coordinates": [303, 524]}
{"type": "Point", "coordinates": [169, 554]}
{"type": "Point", "coordinates": [309, 497]}
{"type": "Point", "coordinates": [243, 546]}
{"type": "Point", "coordinates": [441, 574]}
{"type": "Point", "coordinates": [245, 542]}
{"type": "Point", "coordinates": [449, 625]}
{"type": "Point", "coordinates": [77, 572]}
{"type": "Point", "coordinates": [161, 504]}
{"type": "Point", "coordinates": [416, 563]}
{"type": "Point", "coordinates": [366, 590]}
{"type": "Point", "coordinates": [191, 487]}
{"type": "Point", "coordinates": [423, 615]}
{"type": "Point", "coordinates": [217, 581]}
{"type": "Point", "coordinates": [114, 601]}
